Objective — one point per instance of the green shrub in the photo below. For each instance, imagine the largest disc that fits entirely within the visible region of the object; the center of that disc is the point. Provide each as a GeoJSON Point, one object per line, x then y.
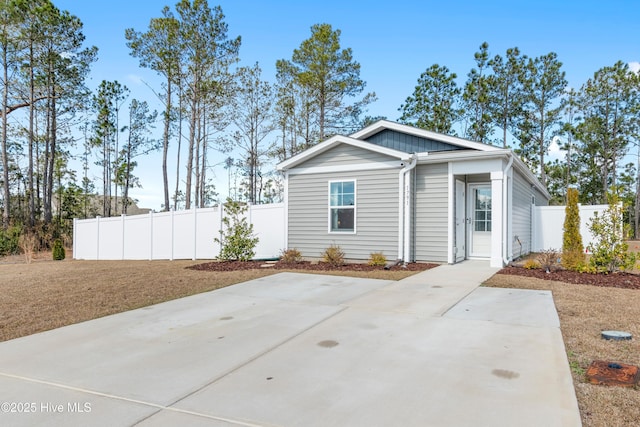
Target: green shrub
{"type": "Point", "coordinates": [290, 256]}
{"type": "Point", "coordinates": [58, 250]}
{"type": "Point", "coordinates": [377, 259]}
{"type": "Point", "coordinates": [10, 240]}
{"type": "Point", "coordinates": [572, 248]}
{"type": "Point", "coordinates": [333, 256]}
{"type": "Point", "coordinates": [531, 264]}
{"type": "Point", "coordinates": [237, 241]}
{"type": "Point", "coordinates": [609, 252]}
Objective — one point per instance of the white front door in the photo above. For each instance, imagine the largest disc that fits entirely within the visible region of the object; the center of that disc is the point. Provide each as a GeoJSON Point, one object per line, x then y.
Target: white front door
{"type": "Point", "coordinates": [480, 224]}
{"type": "Point", "coordinates": [460, 220]}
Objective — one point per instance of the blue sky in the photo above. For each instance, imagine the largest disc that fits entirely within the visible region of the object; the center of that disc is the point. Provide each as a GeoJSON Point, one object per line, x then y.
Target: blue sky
{"type": "Point", "coordinates": [394, 42]}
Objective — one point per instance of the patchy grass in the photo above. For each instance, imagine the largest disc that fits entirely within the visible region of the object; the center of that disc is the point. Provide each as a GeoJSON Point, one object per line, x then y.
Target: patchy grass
{"type": "Point", "coordinates": [48, 294]}
{"type": "Point", "coordinates": [584, 312]}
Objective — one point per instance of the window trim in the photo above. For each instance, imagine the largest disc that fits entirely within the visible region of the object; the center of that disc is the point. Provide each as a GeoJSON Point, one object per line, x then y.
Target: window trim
{"type": "Point", "coordinates": [354, 207]}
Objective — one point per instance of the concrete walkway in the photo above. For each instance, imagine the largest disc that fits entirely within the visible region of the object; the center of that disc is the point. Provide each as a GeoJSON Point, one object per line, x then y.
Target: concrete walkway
{"type": "Point", "coordinates": [304, 350]}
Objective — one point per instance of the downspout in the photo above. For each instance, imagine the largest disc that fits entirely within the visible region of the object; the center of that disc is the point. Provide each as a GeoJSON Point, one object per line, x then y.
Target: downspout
{"type": "Point", "coordinates": [505, 211]}
{"type": "Point", "coordinates": [404, 214]}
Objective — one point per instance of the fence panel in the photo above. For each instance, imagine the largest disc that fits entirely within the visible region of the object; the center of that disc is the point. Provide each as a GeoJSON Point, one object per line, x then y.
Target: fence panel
{"type": "Point", "coordinates": [549, 224]}
{"type": "Point", "coordinates": [110, 238]}
{"type": "Point", "coordinates": [173, 235]}
{"type": "Point", "coordinates": [269, 224]}
{"type": "Point", "coordinates": [137, 231]}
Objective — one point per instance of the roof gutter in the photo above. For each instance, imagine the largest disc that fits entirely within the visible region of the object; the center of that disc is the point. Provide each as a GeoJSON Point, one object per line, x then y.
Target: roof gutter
{"type": "Point", "coordinates": [404, 211]}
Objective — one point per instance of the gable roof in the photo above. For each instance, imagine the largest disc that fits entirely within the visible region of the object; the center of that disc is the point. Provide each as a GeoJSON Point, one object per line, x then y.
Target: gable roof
{"type": "Point", "coordinates": [335, 141]}
{"type": "Point", "coordinates": [382, 125]}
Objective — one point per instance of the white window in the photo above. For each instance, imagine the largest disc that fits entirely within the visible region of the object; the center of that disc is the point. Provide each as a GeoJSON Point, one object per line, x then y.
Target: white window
{"type": "Point", "coordinates": [342, 206]}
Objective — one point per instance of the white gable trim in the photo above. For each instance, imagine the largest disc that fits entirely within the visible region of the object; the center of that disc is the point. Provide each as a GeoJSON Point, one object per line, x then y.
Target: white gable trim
{"type": "Point", "coordinates": [356, 167]}
{"type": "Point", "coordinates": [411, 130]}
{"type": "Point", "coordinates": [333, 142]}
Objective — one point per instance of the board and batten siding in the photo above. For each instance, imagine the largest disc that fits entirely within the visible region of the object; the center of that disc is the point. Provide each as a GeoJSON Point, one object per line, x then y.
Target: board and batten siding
{"type": "Point", "coordinates": [376, 214]}
{"type": "Point", "coordinates": [431, 207]}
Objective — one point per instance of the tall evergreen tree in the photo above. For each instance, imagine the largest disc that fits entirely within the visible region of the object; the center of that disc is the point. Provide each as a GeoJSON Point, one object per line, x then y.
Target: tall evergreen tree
{"type": "Point", "coordinates": [608, 103]}
{"type": "Point", "coordinates": [252, 117]}
{"type": "Point", "coordinates": [330, 75]}
{"type": "Point", "coordinates": [506, 91]}
{"type": "Point", "coordinates": [476, 98]}
{"type": "Point", "coordinates": [208, 54]}
{"type": "Point", "coordinates": [543, 84]}
{"type": "Point", "coordinates": [433, 105]}
{"type": "Point", "coordinates": [139, 142]}
{"type": "Point", "coordinates": [158, 49]}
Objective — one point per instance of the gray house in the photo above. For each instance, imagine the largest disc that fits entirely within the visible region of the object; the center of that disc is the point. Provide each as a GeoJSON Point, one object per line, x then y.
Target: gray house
{"type": "Point", "coordinates": [411, 194]}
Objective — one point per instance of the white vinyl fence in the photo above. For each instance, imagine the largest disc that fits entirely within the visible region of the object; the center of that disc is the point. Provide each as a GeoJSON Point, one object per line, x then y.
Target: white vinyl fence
{"type": "Point", "coordinates": [548, 224]}
{"type": "Point", "coordinates": [172, 235]}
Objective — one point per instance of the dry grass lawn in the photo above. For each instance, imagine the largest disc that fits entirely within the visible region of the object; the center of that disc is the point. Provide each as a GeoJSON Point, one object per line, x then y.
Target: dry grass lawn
{"type": "Point", "coordinates": [45, 295]}
{"type": "Point", "coordinates": [584, 312]}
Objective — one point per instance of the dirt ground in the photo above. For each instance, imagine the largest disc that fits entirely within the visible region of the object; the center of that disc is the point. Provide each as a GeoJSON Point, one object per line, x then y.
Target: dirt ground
{"type": "Point", "coordinates": [585, 311]}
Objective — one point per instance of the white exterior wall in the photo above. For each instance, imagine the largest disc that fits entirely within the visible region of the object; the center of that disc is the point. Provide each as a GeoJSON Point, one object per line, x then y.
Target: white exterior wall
{"type": "Point", "coordinates": [549, 224]}
{"type": "Point", "coordinates": [173, 235]}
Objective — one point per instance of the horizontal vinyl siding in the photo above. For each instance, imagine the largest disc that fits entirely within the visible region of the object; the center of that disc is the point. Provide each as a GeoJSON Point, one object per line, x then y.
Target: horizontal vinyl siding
{"type": "Point", "coordinates": [521, 215]}
{"type": "Point", "coordinates": [431, 221]}
{"type": "Point", "coordinates": [345, 154]}
{"type": "Point", "coordinates": [376, 214]}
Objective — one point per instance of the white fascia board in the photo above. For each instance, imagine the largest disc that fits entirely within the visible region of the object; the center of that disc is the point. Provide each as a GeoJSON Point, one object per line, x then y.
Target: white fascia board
{"type": "Point", "coordinates": [356, 167]}
{"type": "Point", "coordinates": [411, 130]}
{"type": "Point", "coordinates": [452, 156]}
{"type": "Point", "coordinates": [335, 141]}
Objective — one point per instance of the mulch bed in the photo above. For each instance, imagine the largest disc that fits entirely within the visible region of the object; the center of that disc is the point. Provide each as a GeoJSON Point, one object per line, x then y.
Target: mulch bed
{"type": "Point", "coordinates": [305, 265]}
{"type": "Point", "coordinates": [614, 280]}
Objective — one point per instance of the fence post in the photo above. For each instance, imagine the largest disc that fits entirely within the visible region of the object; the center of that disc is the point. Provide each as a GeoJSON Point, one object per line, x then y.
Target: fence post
{"type": "Point", "coordinates": [195, 233]}
{"type": "Point", "coordinates": [172, 234]}
{"type": "Point", "coordinates": [73, 249]}
{"type": "Point", "coordinates": [97, 238]}
{"type": "Point", "coordinates": [150, 235]}
{"type": "Point", "coordinates": [122, 226]}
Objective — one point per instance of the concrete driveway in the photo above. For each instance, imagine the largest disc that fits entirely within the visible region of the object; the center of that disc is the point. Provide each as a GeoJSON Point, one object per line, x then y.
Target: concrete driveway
{"type": "Point", "coordinates": [304, 350]}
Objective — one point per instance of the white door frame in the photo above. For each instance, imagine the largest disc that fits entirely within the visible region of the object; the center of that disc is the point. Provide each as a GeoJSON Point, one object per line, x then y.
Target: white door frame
{"type": "Point", "coordinates": [460, 219]}
{"type": "Point", "coordinates": [478, 242]}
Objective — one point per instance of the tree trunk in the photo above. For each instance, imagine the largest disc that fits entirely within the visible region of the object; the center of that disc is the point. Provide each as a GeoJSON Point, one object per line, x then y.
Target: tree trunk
{"type": "Point", "coordinates": [165, 147]}
{"type": "Point", "coordinates": [32, 206]}
{"type": "Point", "coordinates": [175, 199]}
{"type": "Point", "coordinates": [5, 155]}
{"type": "Point", "coordinates": [48, 214]}
{"type": "Point", "coordinates": [192, 140]}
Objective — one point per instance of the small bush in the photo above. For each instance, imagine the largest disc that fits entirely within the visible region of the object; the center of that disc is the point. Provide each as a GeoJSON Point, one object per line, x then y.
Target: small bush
{"type": "Point", "coordinates": [609, 252]}
{"type": "Point", "coordinates": [237, 241]}
{"type": "Point", "coordinates": [377, 259]}
{"type": "Point", "coordinates": [58, 250]}
{"type": "Point", "coordinates": [333, 256]}
{"type": "Point", "coordinates": [29, 245]}
{"type": "Point", "coordinates": [548, 259]}
{"type": "Point", "coordinates": [290, 256]}
{"type": "Point", "coordinates": [531, 264]}
{"type": "Point", "coordinates": [10, 240]}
